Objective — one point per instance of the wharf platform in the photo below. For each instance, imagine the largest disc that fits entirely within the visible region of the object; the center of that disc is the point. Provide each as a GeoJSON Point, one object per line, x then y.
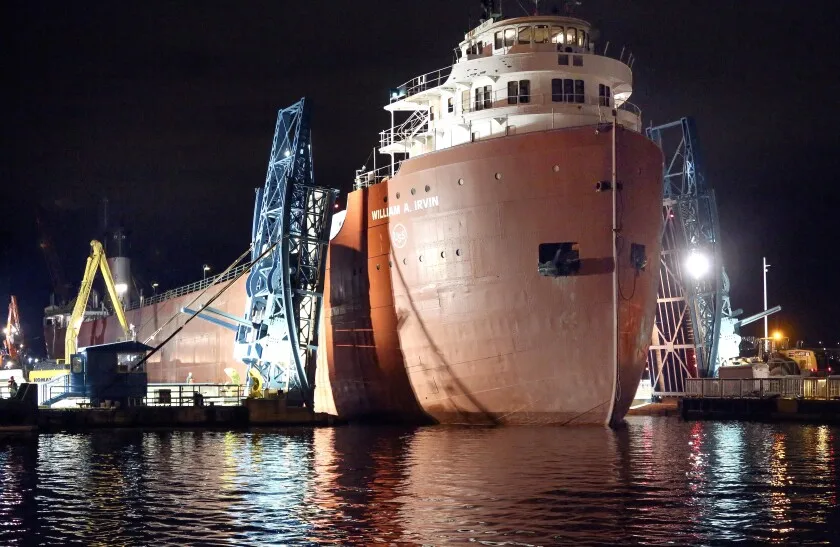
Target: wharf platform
{"type": "Point", "coordinates": [782, 398]}
{"type": "Point", "coordinates": [22, 413]}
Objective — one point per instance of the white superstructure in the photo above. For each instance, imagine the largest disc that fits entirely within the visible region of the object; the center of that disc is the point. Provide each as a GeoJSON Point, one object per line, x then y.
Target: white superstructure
{"type": "Point", "coordinates": [511, 76]}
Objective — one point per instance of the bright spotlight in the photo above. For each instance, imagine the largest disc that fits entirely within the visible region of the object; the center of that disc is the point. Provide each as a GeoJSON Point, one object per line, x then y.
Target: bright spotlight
{"type": "Point", "coordinates": [121, 288]}
{"type": "Point", "coordinates": [697, 264]}
{"type": "Point", "coordinates": [777, 335]}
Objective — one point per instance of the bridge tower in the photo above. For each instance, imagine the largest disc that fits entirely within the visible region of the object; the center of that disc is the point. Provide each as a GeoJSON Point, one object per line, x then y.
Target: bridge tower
{"type": "Point", "coordinates": [693, 287]}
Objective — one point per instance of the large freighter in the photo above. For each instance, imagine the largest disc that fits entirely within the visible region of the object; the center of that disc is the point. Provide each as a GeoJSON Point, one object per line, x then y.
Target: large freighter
{"type": "Point", "coordinates": [493, 271]}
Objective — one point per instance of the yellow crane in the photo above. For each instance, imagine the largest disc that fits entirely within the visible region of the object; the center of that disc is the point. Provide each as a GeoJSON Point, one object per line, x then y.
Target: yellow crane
{"type": "Point", "coordinates": [96, 260]}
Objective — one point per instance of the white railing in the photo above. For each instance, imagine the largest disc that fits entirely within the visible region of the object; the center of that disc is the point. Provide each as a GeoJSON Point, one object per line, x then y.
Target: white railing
{"type": "Point", "coordinates": [186, 289]}
{"type": "Point", "coordinates": [797, 387]}
{"type": "Point", "coordinates": [422, 83]}
{"type": "Point", "coordinates": [417, 122]}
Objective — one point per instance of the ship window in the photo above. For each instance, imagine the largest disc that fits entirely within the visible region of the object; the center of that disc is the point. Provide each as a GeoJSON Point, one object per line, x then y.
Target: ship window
{"type": "Point", "coordinates": [431, 113]}
{"type": "Point", "coordinates": [541, 34]}
{"type": "Point", "coordinates": [569, 90]}
{"type": "Point", "coordinates": [557, 90]}
{"type": "Point", "coordinates": [604, 95]}
{"type": "Point", "coordinates": [524, 91]}
{"type": "Point", "coordinates": [465, 101]}
{"type": "Point", "coordinates": [579, 92]}
{"type": "Point", "coordinates": [479, 98]}
{"type": "Point", "coordinates": [427, 188]}
{"type": "Point", "coordinates": [413, 191]}
{"type": "Point", "coordinates": [450, 105]}
{"type": "Point", "coordinates": [558, 259]}
{"type": "Point", "coordinates": [460, 182]}
{"type": "Point", "coordinates": [479, 49]}
{"type": "Point", "coordinates": [580, 38]}
{"type": "Point", "coordinates": [557, 35]}
{"type": "Point", "coordinates": [525, 35]}
{"type": "Point", "coordinates": [571, 36]}
{"type": "Point", "coordinates": [577, 60]}
{"type": "Point", "coordinates": [488, 97]}
{"type": "Point", "coordinates": [563, 59]}
{"type": "Point", "coordinates": [377, 266]}
{"type": "Point", "coordinates": [398, 195]}
{"type": "Point", "coordinates": [457, 252]}
{"type": "Point", "coordinates": [499, 40]}
{"type": "Point", "coordinates": [510, 36]}
{"type": "Point", "coordinates": [513, 92]}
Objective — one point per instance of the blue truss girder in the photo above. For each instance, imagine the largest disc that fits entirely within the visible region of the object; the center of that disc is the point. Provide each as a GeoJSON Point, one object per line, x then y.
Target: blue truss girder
{"type": "Point", "coordinates": [285, 287]}
{"type": "Point", "coordinates": [689, 310]}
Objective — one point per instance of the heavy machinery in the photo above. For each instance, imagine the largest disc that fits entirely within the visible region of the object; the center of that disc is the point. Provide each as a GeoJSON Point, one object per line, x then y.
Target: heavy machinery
{"type": "Point", "coordinates": [96, 260]}
{"type": "Point", "coordinates": [12, 335]}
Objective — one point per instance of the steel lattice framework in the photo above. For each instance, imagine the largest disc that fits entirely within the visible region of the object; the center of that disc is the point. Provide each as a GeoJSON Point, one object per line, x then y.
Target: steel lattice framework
{"type": "Point", "coordinates": [688, 314]}
{"type": "Point", "coordinates": [285, 287]}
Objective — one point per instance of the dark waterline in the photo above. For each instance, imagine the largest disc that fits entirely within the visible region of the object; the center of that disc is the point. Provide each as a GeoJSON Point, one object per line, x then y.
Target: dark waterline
{"type": "Point", "coordinates": [659, 480]}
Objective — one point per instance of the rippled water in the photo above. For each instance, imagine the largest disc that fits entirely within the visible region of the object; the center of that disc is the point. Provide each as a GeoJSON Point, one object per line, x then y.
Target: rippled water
{"type": "Point", "coordinates": [659, 480]}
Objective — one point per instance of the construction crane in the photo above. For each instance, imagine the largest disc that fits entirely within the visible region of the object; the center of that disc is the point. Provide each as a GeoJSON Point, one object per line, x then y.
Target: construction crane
{"type": "Point", "coordinates": [12, 332]}
{"type": "Point", "coordinates": [96, 260]}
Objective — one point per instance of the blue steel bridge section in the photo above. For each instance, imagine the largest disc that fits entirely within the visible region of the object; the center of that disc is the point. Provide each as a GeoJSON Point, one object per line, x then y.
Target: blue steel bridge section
{"type": "Point", "coordinates": [688, 309]}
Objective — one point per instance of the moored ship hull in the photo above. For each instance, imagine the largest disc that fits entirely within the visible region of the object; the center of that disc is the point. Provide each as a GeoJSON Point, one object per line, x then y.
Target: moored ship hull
{"type": "Point", "coordinates": [483, 338]}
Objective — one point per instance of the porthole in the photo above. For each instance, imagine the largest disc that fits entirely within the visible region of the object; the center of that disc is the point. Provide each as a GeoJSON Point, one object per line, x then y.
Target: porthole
{"type": "Point", "coordinates": [460, 182]}
{"type": "Point", "coordinates": [390, 264]}
{"type": "Point", "coordinates": [377, 266]}
{"type": "Point", "coordinates": [498, 176]}
{"type": "Point", "coordinates": [443, 254]}
{"type": "Point", "coordinates": [457, 252]}
{"type": "Point", "coordinates": [421, 258]}
{"type": "Point", "coordinates": [413, 191]}
{"type": "Point", "coordinates": [405, 261]}
{"type": "Point", "coordinates": [556, 168]}
{"type": "Point", "coordinates": [398, 195]}
{"type": "Point", "coordinates": [385, 199]}
{"type": "Point", "coordinates": [428, 187]}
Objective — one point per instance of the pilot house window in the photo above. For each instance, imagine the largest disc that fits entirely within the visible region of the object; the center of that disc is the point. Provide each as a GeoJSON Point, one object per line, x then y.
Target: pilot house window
{"type": "Point", "coordinates": [510, 36]}
{"type": "Point", "coordinates": [519, 92]}
{"type": "Point", "coordinates": [498, 40]}
{"type": "Point", "coordinates": [603, 95]}
{"type": "Point", "coordinates": [568, 90]}
{"type": "Point", "coordinates": [450, 105]}
{"type": "Point", "coordinates": [541, 34]}
{"type": "Point", "coordinates": [524, 35]}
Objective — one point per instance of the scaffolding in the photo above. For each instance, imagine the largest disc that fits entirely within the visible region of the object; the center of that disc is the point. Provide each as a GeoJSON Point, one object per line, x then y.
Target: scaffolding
{"type": "Point", "coordinates": [688, 309]}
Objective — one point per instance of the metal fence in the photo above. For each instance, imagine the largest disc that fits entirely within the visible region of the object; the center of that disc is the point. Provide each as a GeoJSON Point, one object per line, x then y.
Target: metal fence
{"type": "Point", "coordinates": [789, 387]}
{"type": "Point", "coordinates": [156, 394]}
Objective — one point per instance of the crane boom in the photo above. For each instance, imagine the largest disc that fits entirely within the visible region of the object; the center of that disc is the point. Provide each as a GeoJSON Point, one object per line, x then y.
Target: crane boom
{"type": "Point", "coordinates": [95, 261]}
{"type": "Point", "coordinates": [12, 330]}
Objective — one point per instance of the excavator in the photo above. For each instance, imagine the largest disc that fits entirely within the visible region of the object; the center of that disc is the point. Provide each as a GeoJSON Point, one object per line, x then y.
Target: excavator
{"type": "Point", "coordinates": [96, 261]}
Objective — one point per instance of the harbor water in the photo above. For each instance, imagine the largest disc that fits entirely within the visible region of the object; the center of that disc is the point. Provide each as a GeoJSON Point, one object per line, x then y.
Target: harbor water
{"type": "Point", "coordinates": [658, 480]}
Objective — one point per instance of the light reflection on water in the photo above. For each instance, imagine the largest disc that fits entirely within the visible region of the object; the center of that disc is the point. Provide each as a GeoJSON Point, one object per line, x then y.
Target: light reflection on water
{"type": "Point", "coordinates": [659, 480]}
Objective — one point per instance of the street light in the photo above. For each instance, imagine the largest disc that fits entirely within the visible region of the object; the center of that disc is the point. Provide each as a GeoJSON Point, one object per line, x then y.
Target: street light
{"type": "Point", "coordinates": [154, 287]}
{"type": "Point", "coordinates": [765, 267]}
{"type": "Point", "coordinates": [697, 264]}
{"type": "Point", "coordinates": [204, 270]}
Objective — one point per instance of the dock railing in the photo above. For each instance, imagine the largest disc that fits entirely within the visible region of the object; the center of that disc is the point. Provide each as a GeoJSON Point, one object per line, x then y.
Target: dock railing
{"type": "Point", "coordinates": [156, 394]}
{"type": "Point", "coordinates": [787, 387]}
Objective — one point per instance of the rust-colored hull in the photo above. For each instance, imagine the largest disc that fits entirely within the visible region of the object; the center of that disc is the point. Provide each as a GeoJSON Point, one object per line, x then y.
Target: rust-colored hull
{"type": "Point", "coordinates": [434, 306]}
{"type": "Point", "coordinates": [456, 302]}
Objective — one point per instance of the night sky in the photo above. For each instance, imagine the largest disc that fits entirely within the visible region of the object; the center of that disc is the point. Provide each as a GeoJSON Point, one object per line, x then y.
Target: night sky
{"type": "Point", "coordinates": [168, 109]}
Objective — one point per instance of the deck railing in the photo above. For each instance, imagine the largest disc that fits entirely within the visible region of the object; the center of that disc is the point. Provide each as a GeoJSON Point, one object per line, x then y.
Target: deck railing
{"type": "Point", "coordinates": [164, 394]}
{"type": "Point", "coordinates": [789, 387]}
{"type": "Point", "coordinates": [186, 289]}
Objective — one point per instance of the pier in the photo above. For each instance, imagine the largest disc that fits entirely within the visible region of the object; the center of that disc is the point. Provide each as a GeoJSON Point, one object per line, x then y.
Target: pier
{"type": "Point", "coordinates": [788, 398]}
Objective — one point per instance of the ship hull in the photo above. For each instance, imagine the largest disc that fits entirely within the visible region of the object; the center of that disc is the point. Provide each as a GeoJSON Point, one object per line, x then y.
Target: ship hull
{"type": "Point", "coordinates": [452, 243]}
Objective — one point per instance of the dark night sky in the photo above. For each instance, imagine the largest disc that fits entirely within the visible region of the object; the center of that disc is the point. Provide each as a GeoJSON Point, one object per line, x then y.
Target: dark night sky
{"type": "Point", "coordinates": [168, 108]}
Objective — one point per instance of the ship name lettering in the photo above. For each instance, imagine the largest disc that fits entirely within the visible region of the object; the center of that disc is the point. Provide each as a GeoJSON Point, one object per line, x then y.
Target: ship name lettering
{"type": "Point", "coordinates": [394, 210]}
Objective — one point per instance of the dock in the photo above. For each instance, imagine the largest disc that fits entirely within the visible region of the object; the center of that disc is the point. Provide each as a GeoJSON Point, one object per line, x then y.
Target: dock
{"type": "Point", "coordinates": [782, 398]}
{"type": "Point", "coordinates": [22, 413]}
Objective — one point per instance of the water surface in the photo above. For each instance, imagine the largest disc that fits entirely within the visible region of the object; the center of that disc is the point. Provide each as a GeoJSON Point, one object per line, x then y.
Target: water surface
{"type": "Point", "coordinates": [659, 480]}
